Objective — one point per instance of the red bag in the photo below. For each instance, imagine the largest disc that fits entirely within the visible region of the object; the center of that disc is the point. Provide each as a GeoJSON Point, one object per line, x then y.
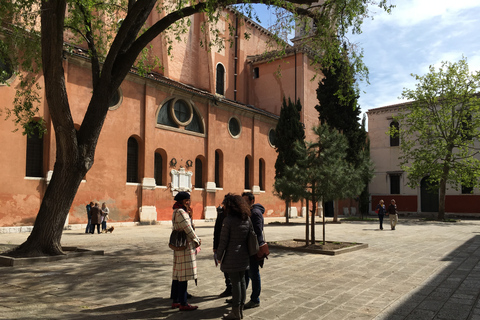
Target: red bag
{"type": "Point", "coordinates": [376, 211]}
{"type": "Point", "coordinates": [263, 252]}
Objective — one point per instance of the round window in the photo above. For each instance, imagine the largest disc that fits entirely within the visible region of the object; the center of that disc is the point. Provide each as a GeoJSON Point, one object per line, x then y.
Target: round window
{"type": "Point", "coordinates": [234, 127]}
{"type": "Point", "coordinates": [115, 100]}
{"type": "Point", "coordinates": [182, 112]}
{"type": "Point", "coordinates": [6, 69]}
{"type": "Point", "coordinates": [271, 137]}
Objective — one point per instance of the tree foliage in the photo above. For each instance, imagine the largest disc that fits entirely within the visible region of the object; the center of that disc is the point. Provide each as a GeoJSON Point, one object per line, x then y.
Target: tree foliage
{"type": "Point", "coordinates": [322, 172]}
{"type": "Point", "coordinates": [288, 132]}
{"type": "Point", "coordinates": [440, 129]}
{"type": "Point", "coordinates": [114, 35]}
{"type": "Point", "coordinates": [337, 96]}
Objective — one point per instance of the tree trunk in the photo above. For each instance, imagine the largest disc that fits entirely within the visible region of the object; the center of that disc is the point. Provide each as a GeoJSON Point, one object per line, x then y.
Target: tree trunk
{"type": "Point", "coordinates": [314, 210]}
{"type": "Point", "coordinates": [307, 235]}
{"type": "Point", "coordinates": [287, 204]}
{"type": "Point", "coordinates": [441, 199]}
{"type": "Point", "coordinates": [47, 231]}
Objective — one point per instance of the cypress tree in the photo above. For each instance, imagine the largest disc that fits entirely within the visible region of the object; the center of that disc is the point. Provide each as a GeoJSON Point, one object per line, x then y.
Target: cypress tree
{"type": "Point", "coordinates": [288, 131]}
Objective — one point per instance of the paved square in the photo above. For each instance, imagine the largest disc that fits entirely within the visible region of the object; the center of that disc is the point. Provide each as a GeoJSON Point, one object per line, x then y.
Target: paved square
{"type": "Point", "coordinates": [422, 270]}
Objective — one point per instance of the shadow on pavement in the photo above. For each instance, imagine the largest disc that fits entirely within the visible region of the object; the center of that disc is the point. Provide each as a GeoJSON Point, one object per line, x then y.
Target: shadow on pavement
{"type": "Point", "coordinates": [452, 294]}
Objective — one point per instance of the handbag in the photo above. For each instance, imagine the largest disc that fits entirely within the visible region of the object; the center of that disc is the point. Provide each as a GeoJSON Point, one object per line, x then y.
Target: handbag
{"type": "Point", "coordinates": [263, 252]}
{"type": "Point", "coordinates": [178, 240]}
{"type": "Point", "coordinates": [252, 240]}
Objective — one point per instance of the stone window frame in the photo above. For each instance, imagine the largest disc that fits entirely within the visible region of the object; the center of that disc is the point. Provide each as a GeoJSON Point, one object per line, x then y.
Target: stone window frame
{"type": "Point", "coordinates": [239, 127]}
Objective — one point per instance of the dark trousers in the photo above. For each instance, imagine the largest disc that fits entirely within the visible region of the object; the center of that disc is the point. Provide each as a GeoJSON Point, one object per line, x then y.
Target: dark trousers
{"type": "Point", "coordinates": [254, 274]}
{"type": "Point", "coordinates": [87, 229]}
{"type": "Point", "coordinates": [92, 228]}
{"type": "Point", "coordinates": [104, 225]}
{"type": "Point", "coordinates": [179, 292]}
{"type": "Point", "coordinates": [239, 288]}
{"type": "Point", "coordinates": [380, 217]}
{"type": "Point", "coordinates": [228, 282]}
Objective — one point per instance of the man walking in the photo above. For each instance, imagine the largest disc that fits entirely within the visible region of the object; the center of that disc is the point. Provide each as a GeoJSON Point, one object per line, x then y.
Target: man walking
{"type": "Point", "coordinates": [253, 273]}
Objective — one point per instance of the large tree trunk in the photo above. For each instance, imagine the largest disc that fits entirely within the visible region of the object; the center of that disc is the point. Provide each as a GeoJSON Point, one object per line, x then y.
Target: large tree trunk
{"type": "Point", "coordinates": [47, 231]}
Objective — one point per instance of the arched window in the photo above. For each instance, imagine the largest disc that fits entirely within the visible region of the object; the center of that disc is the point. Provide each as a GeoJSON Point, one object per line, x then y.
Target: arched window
{"type": "Point", "coordinates": [132, 160]}
{"type": "Point", "coordinates": [34, 161]}
{"type": "Point", "coordinates": [395, 139]}
{"type": "Point", "coordinates": [261, 174]}
{"type": "Point", "coordinates": [247, 173]}
{"type": "Point", "coordinates": [218, 168]}
{"type": "Point", "coordinates": [198, 173]}
{"type": "Point", "coordinates": [158, 169]}
{"type": "Point", "coordinates": [220, 88]}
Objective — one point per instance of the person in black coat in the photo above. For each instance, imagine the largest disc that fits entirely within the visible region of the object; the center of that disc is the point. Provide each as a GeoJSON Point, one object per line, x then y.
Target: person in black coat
{"type": "Point", "coordinates": [216, 239]}
{"type": "Point", "coordinates": [233, 250]}
{"type": "Point", "coordinates": [256, 215]}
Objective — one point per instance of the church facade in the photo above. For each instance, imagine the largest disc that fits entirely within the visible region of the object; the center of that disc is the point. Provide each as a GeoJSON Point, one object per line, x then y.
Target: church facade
{"type": "Point", "coordinates": [203, 123]}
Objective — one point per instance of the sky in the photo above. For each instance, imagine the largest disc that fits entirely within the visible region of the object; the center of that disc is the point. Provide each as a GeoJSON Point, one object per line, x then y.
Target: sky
{"type": "Point", "coordinates": [417, 34]}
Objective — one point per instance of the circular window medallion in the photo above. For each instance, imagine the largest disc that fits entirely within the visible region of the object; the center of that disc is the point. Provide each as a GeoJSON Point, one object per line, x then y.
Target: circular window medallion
{"type": "Point", "coordinates": [271, 137]}
{"type": "Point", "coordinates": [234, 127]}
{"type": "Point", "coordinates": [181, 112]}
{"type": "Point", "coordinates": [116, 100]}
{"type": "Point", "coordinates": [6, 70]}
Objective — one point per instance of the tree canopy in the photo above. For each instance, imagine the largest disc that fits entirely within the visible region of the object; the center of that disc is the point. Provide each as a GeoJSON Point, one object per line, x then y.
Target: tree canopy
{"type": "Point", "coordinates": [440, 129]}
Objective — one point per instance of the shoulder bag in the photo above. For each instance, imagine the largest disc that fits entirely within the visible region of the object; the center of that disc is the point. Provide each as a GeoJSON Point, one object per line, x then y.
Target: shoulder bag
{"type": "Point", "coordinates": [178, 240]}
{"type": "Point", "coordinates": [263, 250]}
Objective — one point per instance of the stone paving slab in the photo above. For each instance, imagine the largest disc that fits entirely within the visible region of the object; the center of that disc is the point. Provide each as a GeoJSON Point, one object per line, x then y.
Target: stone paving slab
{"type": "Point", "coordinates": [422, 270]}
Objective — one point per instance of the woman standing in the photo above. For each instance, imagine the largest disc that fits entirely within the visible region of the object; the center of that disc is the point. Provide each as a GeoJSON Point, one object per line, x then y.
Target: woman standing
{"type": "Point", "coordinates": [232, 250]}
{"type": "Point", "coordinates": [184, 261]}
{"type": "Point", "coordinates": [381, 212]}
{"type": "Point", "coordinates": [105, 213]}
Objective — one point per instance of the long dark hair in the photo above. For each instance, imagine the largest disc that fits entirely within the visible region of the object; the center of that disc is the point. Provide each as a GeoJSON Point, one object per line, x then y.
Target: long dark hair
{"type": "Point", "coordinates": [237, 206]}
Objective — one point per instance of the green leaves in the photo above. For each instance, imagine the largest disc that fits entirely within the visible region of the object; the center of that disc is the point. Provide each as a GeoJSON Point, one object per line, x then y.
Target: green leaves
{"type": "Point", "coordinates": [439, 129]}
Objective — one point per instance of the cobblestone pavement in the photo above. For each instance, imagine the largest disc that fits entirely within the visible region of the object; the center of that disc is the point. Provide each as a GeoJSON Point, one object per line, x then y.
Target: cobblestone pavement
{"type": "Point", "coordinates": [422, 270]}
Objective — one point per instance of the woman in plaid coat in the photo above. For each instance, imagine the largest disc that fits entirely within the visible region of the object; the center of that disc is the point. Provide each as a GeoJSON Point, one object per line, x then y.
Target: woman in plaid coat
{"type": "Point", "coordinates": [184, 261]}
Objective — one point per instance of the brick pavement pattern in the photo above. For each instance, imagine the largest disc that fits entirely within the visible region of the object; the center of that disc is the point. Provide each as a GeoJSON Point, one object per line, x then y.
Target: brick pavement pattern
{"type": "Point", "coordinates": [422, 270]}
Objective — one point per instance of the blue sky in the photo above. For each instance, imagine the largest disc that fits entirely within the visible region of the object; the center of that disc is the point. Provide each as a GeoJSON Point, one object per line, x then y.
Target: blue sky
{"type": "Point", "coordinates": [417, 34]}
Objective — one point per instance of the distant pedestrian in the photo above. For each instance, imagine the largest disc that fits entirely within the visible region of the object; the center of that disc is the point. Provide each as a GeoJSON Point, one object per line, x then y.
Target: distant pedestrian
{"type": "Point", "coordinates": [256, 215]}
{"type": "Point", "coordinates": [393, 214]}
{"type": "Point", "coordinates": [233, 250]}
{"type": "Point", "coordinates": [381, 212]}
{"type": "Point", "coordinates": [184, 261]}
{"type": "Point", "coordinates": [105, 212]}
{"type": "Point", "coordinates": [89, 217]}
{"type": "Point", "coordinates": [96, 218]}
{"type": "Point", "coordinates": [221, 214]}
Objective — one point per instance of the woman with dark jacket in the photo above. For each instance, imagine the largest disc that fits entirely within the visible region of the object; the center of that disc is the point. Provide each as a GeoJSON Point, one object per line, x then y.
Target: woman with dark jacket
{"type": "Point", "coordinates": [381, 212]}
{"type": "Point", "coordinates": [232, 250]}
